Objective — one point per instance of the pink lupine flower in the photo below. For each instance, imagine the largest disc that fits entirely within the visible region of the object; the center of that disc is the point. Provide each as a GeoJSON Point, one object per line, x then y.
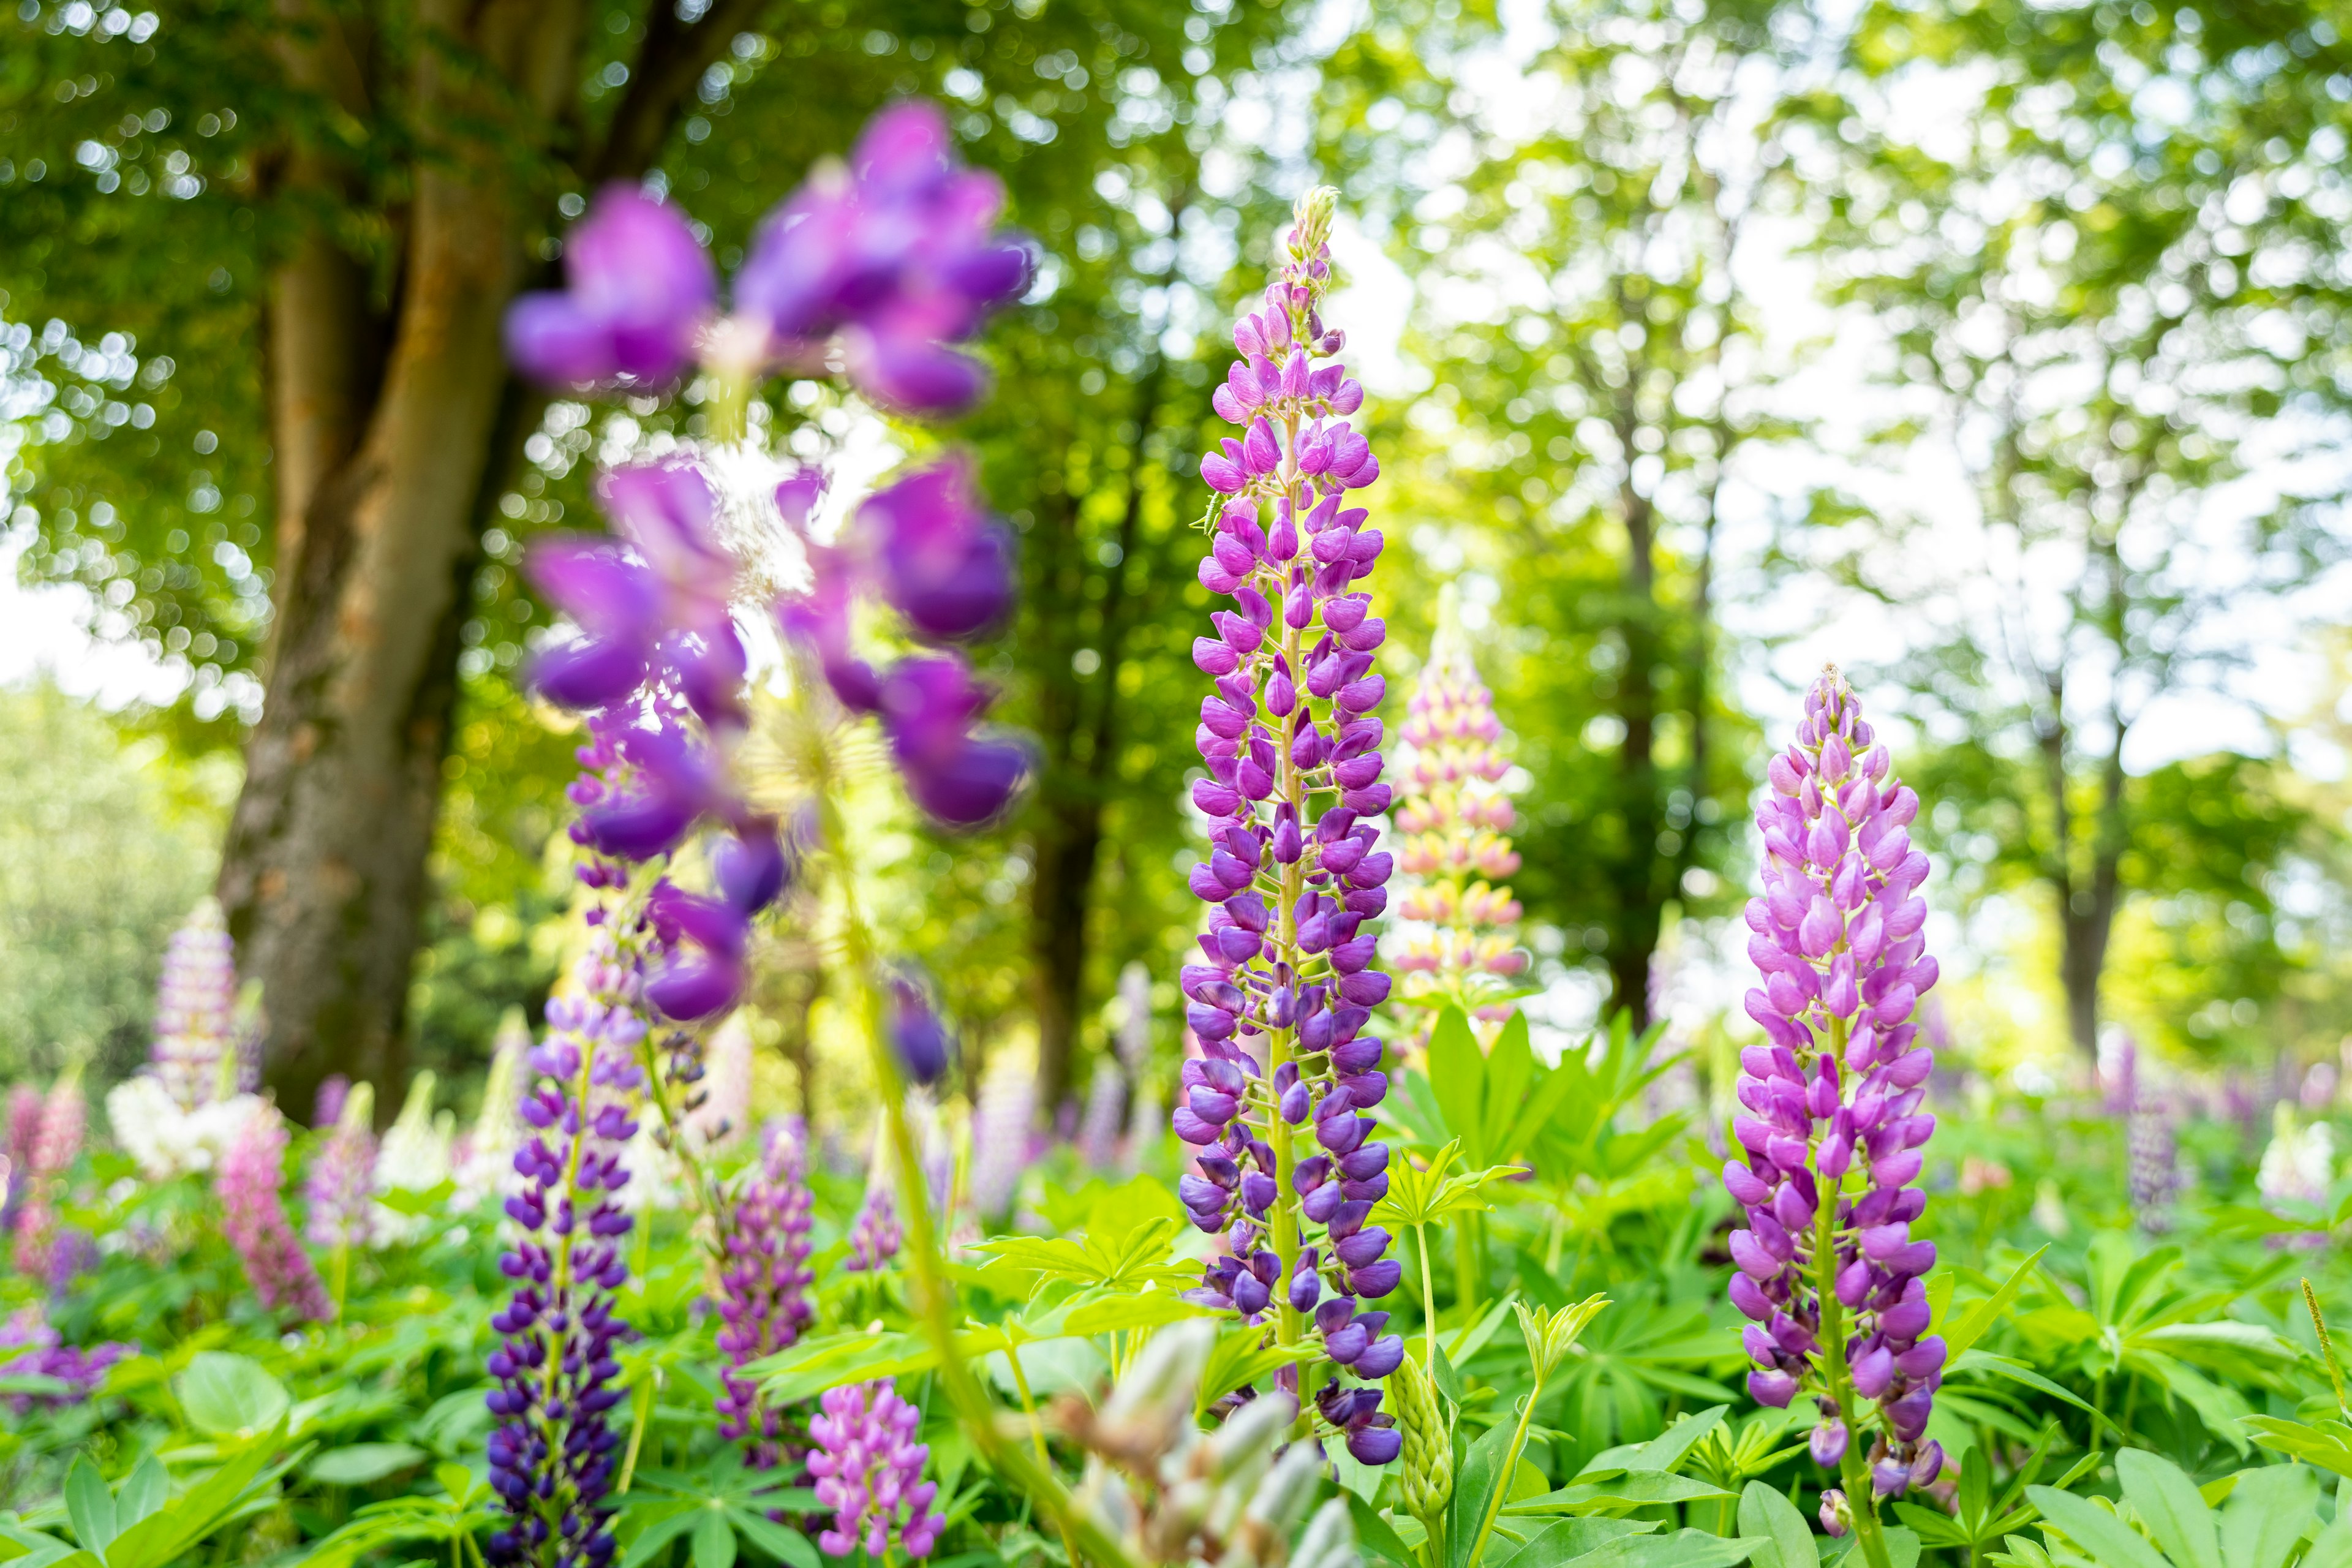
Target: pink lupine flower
{"type": "Point", "coordinates": [251, 1174]}
{"type": "Point", "coordinates": [869, 1470]}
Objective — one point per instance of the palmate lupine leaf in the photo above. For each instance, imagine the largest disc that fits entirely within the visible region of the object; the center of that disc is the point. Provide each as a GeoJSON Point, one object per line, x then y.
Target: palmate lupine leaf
{"type": "Point", "coordinates": [1123, 1260]}
{"type": "Point", "coordinates": [139, 1524]}
{"type": "Point", "coordinates": [712, 1508]}
{"type": "Point", "coordinates": [829, 1361]}
{"type": "Point", "coordinates": [1423, 1195]}
{"type": "Point", "coordinates": [1980, 1520]}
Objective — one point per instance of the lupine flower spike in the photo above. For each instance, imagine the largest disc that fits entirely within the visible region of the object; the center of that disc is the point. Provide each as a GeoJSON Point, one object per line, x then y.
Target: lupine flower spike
{"type": "Point", "coordinates": [195, 1008]}
{"type": "Point", "coordinates": [1294, 768]}
{"type": "Point", "coordinates": [869, 1472]}
{"type": "Point", "coordinates": [251, 1181]}
{"type": "Point", "coordinates": [552, 1454]}
{"type": "Point", "coordinates": [763, 1280]}
{"type": "Point", "coordinates": [55, 1142]}
{"type": "Point", "coordinates": [1832, 1130]}
{"type": "Point", "coordinates": [1455, 821]}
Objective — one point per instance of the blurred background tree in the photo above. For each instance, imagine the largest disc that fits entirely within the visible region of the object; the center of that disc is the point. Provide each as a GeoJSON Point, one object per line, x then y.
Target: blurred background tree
{"type": "Point", "coordinates": [107, 843]}
{"type": "Point", "coordinates": [1699, 335]}
{"type": "Point", "coordinates": [2113, 288]}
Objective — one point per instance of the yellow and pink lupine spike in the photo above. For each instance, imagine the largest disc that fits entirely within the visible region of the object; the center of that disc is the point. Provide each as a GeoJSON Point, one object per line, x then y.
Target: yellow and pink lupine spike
{"type": "Point", "coordinates": [1453, 819]}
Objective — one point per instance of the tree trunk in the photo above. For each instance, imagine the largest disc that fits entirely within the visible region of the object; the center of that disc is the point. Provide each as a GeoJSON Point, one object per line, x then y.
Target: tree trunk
{"type": "Point", "coordinates": [394, 440]}
{"type": "Point", "coordinates": [1082, 759]}
{"type": "Point", "coordinates": [1639, 912]}
{"type": "Point", "coordinates": [324, 877]}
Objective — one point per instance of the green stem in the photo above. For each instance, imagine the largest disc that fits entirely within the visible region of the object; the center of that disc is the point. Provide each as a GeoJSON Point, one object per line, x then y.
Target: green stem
{"type": "Point", "coordinates": [641, 1416]}
{"type": "Point", "coordinates": [1510, 1469]}
{"type": "Point", "coordinates": [1465, 1276]}
{"type": "Point", "coordinates": [932, 1296]}
{"type": "Point", "coordinates": [1428, 1300]}
{"type": "Point", "coordinates": [1036, 1434]}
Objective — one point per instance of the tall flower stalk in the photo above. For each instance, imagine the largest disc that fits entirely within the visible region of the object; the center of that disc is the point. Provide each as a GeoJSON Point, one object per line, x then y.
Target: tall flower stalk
{"type": "Point", "coordinates": [1455, 823]}
{"type": "Point", "coordinates": [1831, 1136]}
{"type": "Point", "coordinates": [1293, 755]}
{"type": "Point", "coordinates": [251, 1181]}
{"type": "Point", "coordinates": [763, 1281]}
{"type": "Point", "coordinates": [196, 1010]}
{"type": "Point", "coordinates": [50, 1150]}
{"type": "Point", "coordinates": [553, 1453]}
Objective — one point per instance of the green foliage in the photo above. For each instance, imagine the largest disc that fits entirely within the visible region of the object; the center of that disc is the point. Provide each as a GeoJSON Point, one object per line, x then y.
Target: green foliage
{"type": "Point", "coordinates": [107, 843]}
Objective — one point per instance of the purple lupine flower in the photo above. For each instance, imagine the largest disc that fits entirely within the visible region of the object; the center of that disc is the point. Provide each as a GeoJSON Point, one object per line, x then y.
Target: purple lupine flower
{"type": "Point", "coordinates": [763, 1278]}
{"type": "Point", "coordinates": [1001, 1116]}
{"type": "Point", "coordinates": [929, 705]}
{"type": "Point", "coordinates": [869, 1472]}
{"type": "Point", "coordinates": [1288, 987]}
{"type": "Point", "coordinates": [253, 1216]}
{"type": "Point", "coordinates": [1833, 1129]}
{"type": "Point", "coordinates": [1105, 1116]}
{"type": "Point", "coordinates": [941, 559]}
{"type": "Point", "coordinates": [339, 1189]}
{"type": "Point", "coordinates": [551, 1455]}
{"type": "Point", "coordinates": [638, 289]}
{"type": "Point", "coordinates": [195, 1003]}
{"type": "Point", "coordinates": [875, 1235]}
{"type": "Point", "coordinates": [896, 256]}
{"type": "Point", "coordinates": [918, 1037]}
{"type": "Point", "coordinates": [29, 1347]}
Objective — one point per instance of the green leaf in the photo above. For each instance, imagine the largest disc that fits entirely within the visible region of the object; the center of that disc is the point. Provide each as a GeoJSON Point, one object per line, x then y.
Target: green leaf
{"type": "Point", "coordinates": [1480, 1474]}
{"type": "Point", "coordinates": [2110, 1542]}
{"type": "Point", "coordinates": [1377, 1536]}
{"type": "Point", "coordinates": [2017, 1371]}
{"type": "Point", "coordinates": [714, 1540]}
{"type": "Point", "coordinates": [417, 1201]}
{"type": "Point", "coordinates": [1960, 1337]}
{"type": "Point", "coordinates": [362, 1463]}
{"type": "Point", "coordinates": [2334, 1547]}
{"type": "Point", "coordinates": [665, 1528]}
{"type": "Point", "coordinates": [1683, 1549]}
{"type": "Point", "coordinates": [1665, 1451]}
{"type": "Point", "coordinates": [164, 1535]}
{"type": "Point", "coordinates": [227, 1396]}
{"type": "Point", "coordinates": [90, 1505]}
{"type": "Point", "coordinates": [1237, 1358]}
{"type": "Point", "coordinates": [457, 1481]}
{"type": "Point", "coordinates": [142, 1493]}
{"type": "Point", "coordinates": [2169, 1505]}
{"type": "Point", "coordinates": [2330, 1450]}
{"type": "Point", "coordinates": [1634, 1489]}
{"type": "Point", "coordinates": [1902, 1548]}
{"type": "Point", "coordinates": [2267, 1515]}
{"type": "Point", "coordinates": [1573, 1540]}
{"type": "Point", "coordinates": [1458, 1072]}
{"type": "Point", "coordinates": [786, 1546]}
{"type": "Point", "coordinates": [1766, 1515]}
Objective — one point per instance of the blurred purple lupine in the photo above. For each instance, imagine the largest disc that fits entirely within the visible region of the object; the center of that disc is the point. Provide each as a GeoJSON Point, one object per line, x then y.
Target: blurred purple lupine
{"type": "Point", "coordinates": [551, 1455]}
{"type": "Point", "coordinates": [339, 1189]}
{"type": "Point", "coordinates": [875, 1237]}
{"type": "Point", "coordinates": [251, 1181]}
{"type": "Point", "coordinates": [1289, 985]}
{"type": "Point", "coordinates": [763, 1280]}
{"type": "Point", "coordinates": [660, 667]}
{"type": "Point", "coordinates": [29, 1347]}
{"type": "Point", "coordinates": [869, 1472]}
{"type": "Point", "coordinates": [638, 289]}
{"type": "Point", "coordinates": [1832, 1131]}
{"type": "Point", "coordinates": [196, 1004]}
{"type": "Point", "coordinates": [895, 257]}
